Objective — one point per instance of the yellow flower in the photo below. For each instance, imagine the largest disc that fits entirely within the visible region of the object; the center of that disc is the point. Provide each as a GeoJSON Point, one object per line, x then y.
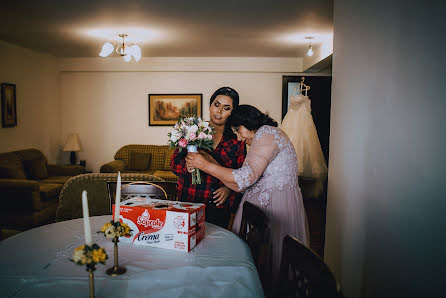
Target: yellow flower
{"type": "Point", "coordinates": [105, 227]}
{"type": "Point", "coordinates": [125, 229]}
{"type": "Point", "coordinates": [79, 248]}
{"type": "Point", "coordinates": [98, 255]}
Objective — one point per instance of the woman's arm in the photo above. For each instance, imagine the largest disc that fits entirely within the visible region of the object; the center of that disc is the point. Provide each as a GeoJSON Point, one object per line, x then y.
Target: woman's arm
{"type": "Point", "coordinates": [264, 148]}
{"type": "Point", "coordinates": [223, 174]}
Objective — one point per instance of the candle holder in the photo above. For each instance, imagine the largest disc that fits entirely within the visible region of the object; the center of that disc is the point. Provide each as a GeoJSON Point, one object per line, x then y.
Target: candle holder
{"type": "Point", "coordinates": [89, 256]}
{"type": "Point", "coordinates": [114, 230]}
{"type": "Point", "coordinates": [90, 270]}
{"type": "Point", "coordinates": [116, 269]}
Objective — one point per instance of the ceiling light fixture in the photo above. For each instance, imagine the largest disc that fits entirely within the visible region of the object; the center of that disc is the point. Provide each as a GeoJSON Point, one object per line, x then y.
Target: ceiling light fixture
{"type": "Point", "coordinates": [310, 47]}
{"type": "Point", "coordinates": [126, 50]}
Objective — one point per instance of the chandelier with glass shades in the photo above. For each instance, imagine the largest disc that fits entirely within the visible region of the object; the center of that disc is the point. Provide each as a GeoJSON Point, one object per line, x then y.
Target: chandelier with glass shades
{"type": "Point", "coordinates": [126, 50]}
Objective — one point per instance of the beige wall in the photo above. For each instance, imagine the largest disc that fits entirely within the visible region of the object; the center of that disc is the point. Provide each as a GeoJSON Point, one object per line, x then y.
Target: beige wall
{"type": "Point", "coordinates": [37, 96]}
{"type": "Point", "coordinates": [106, 101]}
{"type": "Point", "coordinates": [386, 195]}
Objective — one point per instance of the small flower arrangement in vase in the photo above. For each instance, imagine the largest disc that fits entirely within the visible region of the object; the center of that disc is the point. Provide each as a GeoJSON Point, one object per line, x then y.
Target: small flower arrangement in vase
{"type": "Point", "coordinates": [191, 133]}
{"type": "Point", "coordinates": [89, 255]}
{"type": "Point", "coordinates": [114, 229]}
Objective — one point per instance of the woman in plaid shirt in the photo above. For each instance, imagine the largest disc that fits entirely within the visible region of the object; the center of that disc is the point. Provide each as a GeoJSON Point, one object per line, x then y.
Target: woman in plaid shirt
{"type": "Point", "coordinates": [228, 152]}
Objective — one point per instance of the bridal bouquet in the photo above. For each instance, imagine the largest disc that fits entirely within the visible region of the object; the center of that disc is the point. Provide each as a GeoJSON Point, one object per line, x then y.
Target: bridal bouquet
{"type": "Point", "coordinates": [191, 133]}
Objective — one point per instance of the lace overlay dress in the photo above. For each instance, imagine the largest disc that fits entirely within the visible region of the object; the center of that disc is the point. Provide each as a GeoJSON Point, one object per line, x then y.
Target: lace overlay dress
{"type": "Point", "coordinates": [269, 178]}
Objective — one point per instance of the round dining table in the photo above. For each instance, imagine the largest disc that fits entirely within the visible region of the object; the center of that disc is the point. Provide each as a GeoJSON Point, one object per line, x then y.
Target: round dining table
{"type": "Point", "coordinates": [36, 263]}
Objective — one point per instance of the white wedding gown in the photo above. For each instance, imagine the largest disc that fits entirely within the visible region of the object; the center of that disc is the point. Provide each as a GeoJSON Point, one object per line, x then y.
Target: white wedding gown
{"type": "Point", "coordinates": [299, 126]}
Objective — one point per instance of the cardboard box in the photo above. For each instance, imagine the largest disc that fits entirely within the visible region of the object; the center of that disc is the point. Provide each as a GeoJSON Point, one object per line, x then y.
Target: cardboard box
{"type": "Point", "coordinates": [162, 223]}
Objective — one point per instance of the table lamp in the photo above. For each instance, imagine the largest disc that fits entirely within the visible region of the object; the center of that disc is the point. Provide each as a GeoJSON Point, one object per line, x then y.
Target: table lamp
{"type": "Point", "coordinates": [72, 144]}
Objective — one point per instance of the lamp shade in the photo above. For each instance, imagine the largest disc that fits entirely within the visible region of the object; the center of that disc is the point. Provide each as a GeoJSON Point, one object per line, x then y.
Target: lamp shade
{"type": "Point", "coordinates": [136, 52]}
{"type": "Point", "coordinates": [107, 49]}
{"type": "Point", "coordinates": [73, 143]}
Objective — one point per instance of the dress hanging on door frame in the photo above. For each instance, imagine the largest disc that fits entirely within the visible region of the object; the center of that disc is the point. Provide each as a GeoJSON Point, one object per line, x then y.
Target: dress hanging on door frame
{"type": "Point", "coordinates": [299, 126]}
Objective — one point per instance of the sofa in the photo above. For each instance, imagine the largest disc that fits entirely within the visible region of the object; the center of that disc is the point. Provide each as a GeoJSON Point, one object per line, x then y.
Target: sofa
{"type": "Point", "coordinates": [70, 202]}
{"type": "Point", "coordinates": [30, 188]}
{"type": "Point", "coordinates": [147, 159]}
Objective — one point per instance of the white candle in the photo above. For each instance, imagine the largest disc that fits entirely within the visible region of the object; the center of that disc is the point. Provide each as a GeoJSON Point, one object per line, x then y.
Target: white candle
{"type": "Point", "coordinates": [118, 198]}
{"type": "Point", "coordinates": [87, 228]}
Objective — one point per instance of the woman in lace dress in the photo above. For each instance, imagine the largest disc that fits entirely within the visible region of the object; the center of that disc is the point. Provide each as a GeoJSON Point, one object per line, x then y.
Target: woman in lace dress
{"type": "Point", "coordinates": [268, 177]}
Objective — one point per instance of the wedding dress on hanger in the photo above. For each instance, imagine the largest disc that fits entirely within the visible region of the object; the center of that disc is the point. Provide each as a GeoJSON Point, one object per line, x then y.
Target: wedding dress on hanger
{"type": "Point", "coordinates": [299, 126]}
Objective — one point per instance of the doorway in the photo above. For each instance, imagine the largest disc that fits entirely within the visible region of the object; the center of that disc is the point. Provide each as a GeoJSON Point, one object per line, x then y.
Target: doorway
{"type": "Point", "coordinates": [320, 96]}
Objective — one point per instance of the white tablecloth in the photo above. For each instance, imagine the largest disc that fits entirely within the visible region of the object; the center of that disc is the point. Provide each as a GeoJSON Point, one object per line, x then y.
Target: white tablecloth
{"type": "Point", "coordinates": [36, 263]}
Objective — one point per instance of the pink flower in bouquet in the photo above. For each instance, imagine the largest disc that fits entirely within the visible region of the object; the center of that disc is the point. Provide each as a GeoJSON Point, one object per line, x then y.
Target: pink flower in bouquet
{"type": "Point", "coordinates": [192, 136]}
{"type": "Point", "coordinates": [202, 135]}
{"type": "Point", "coordinates": [182, 143]}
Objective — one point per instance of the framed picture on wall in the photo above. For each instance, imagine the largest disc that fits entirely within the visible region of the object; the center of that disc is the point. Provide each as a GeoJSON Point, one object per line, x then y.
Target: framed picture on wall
{"type": "Point", "coordinates": [166, 109]}
{"type": "Point", "coordinates": [9, 111]}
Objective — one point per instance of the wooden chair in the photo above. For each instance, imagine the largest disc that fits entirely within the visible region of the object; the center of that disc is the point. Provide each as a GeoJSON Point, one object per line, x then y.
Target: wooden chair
{"type": "Point", "coordinates": [231, 221]}
{"type": "Point", "coordinates": [254, 229]}
{"type": "Point", "coordinates": [165, 190]}
{"type": "Point", "coordinates": [304, 274]}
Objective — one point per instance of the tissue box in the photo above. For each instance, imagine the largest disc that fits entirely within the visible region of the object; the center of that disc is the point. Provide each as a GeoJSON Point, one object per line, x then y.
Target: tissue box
{"type": "Point", "coordinates": [161, 223]}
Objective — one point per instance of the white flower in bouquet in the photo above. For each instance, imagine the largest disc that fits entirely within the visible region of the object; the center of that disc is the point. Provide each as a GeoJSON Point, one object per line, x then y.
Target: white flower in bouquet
{"type": "Point", "coordinates": [79, 256]}
{"type": "Point", "coordinates": [110, 232]}
{"type": "Point", "coordinates": [204, 124]}
{"type": "Point", "coordinates": [192, 129]}
{"type": "Point", "coordinates": [174, 137]}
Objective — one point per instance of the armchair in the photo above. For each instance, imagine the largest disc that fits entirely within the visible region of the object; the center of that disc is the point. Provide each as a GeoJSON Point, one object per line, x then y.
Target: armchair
{"type": "Point", "coordinates": [29, 188]}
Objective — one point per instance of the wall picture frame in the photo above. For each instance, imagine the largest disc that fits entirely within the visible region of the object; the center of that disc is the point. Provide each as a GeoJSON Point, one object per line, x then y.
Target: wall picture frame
{"type": "Point", "coordinates": [9, 107]}
{"type": "Point", "coordinates": [166, 109]}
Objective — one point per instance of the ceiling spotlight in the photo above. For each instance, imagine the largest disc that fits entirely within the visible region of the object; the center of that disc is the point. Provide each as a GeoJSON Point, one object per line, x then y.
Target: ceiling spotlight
{"type": "Point", "coordinates": [126, 50]}
{"type": "Point", "coordinates": [310, 47]}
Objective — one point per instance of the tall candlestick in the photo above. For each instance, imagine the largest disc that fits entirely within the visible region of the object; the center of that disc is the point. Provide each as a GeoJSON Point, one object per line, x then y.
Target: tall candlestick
{"type": "Point", "coordinates": [87, 228]}
{"type": "Point", "coordinates": [118, 198]}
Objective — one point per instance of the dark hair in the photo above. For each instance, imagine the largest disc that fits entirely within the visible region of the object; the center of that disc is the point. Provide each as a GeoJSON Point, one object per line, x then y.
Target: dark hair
{"type": "Point", "coordinates": [250, 117]}
{"type": "Point", "coordinates": [228, 91]}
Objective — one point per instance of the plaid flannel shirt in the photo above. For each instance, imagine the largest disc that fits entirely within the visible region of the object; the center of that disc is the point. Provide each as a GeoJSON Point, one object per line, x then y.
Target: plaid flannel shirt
{"type": "Point", "coordinates": [229, 153]}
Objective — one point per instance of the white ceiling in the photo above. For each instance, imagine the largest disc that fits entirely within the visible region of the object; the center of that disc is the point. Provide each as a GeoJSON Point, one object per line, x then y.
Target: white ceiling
{"type": "Point", "coordinates": [163, 28]}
